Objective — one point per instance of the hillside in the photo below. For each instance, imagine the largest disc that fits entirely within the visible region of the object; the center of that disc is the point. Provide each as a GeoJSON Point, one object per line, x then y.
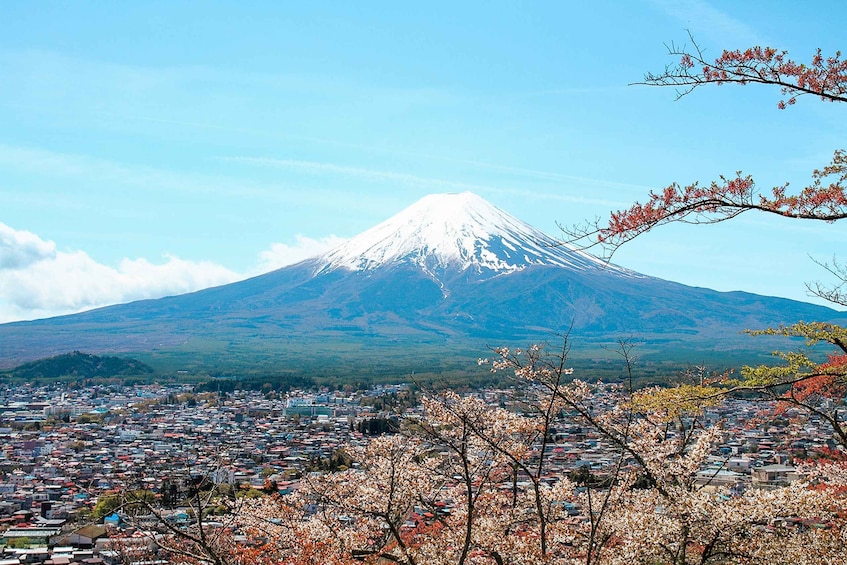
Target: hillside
{"type": "Point", "coordinates": [80, 365]}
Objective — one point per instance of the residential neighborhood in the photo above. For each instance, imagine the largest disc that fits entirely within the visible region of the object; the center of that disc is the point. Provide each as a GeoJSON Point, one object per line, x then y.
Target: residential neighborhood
{"type": "Point", "coordinates": [66, 450]}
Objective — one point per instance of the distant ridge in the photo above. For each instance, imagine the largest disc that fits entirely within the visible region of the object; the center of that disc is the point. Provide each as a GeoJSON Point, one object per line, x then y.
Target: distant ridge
{"type": "Point", "coordinates": [442, 279]}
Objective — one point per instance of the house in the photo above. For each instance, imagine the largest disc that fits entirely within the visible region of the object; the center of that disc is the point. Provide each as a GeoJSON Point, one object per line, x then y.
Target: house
{"type": "Point", "coordinates": [773, 475]}
{"type": "Point", "coordinates": [84, 537]}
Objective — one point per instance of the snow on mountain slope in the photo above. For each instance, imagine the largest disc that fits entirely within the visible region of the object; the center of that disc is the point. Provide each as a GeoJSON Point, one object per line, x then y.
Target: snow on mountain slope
{"type": "Point", "coordinates": [460, 231]}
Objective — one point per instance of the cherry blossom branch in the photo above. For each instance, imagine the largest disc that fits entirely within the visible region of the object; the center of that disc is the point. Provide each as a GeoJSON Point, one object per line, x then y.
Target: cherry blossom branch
{"type": "Point", "coordinates": [824, 199]}
{"type": "Point", "coordinates": [825, 77]}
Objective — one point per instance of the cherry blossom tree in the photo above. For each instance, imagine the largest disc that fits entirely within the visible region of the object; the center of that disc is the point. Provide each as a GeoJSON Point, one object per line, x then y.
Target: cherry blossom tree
{"type": "Point", "coordinates": [800, 381]}
{"type": "Point", "coordinates": [823, 199]}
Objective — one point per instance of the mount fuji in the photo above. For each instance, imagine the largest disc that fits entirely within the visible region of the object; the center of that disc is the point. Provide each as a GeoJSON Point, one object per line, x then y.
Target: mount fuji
{"type": "Point", "coordinates": [450, 274]}
{"type": "Point", "coordinates": [458, 232]}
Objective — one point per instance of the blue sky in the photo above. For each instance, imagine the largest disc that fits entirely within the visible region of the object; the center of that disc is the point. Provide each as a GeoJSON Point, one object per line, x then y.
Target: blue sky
{"type": "Point", "coordinates": [153, 148]}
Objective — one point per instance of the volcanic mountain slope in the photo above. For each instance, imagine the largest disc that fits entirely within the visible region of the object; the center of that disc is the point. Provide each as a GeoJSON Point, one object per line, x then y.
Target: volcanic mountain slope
{"type": "Point", "coordinates": [449, 270]}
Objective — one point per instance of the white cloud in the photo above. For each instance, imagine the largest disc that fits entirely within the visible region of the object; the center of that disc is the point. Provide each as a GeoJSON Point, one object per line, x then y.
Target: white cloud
{"type": "Point", "coordinates": [282, 254]}
{"type": "Point", "coordinates": [36, 281]}
{"type": "Point", "coordinates": [72, 281]}
{"type": "Point", "coordinates": [19, 249]}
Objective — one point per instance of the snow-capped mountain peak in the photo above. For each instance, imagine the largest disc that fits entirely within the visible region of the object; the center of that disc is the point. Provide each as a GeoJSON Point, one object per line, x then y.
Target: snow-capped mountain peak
{"type": "Point", "coordinates": [461, 231]}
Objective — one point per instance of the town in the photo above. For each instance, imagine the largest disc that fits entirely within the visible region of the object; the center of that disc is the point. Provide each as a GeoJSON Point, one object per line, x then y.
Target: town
{"type": "Point", "coordinates": [68, 452]}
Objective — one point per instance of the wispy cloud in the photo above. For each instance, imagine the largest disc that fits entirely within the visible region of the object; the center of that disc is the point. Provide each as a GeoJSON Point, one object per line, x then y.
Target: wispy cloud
{"type": "Point", "coordinates": [120, 176]}
{"type": "Point", "coordinates": [314, 167]}
{"type": "Point", "coordinates": [440, 185]}
{"type": "Point", "coordinates": [122, 96]}
{"type": "Point", "coordinates": [566, 91]}
{"type": "Point", "coordinates": [704, 20]}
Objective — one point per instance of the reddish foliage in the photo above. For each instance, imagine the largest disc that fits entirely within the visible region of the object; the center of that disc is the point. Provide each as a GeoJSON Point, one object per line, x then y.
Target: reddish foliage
{"type": "Point", "coordinates": [828, 454]}
{"type": "Point", "coordinates": [836, 365]}
{"type": "Point", "coordinates": [829, 383]}
{"type": "Point", "coordinates": [725, 199]}
{"type": "Point", "coordinates": [820, 385]}
{"type": "Point", "coordinates": [825, 77]}
{"type": "Point", "coordinates": [823, 199]}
